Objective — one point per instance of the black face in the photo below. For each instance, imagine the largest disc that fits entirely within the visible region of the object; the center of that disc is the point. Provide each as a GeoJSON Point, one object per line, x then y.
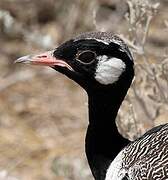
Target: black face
{"type": "Point", "coordinates": [82, 55]}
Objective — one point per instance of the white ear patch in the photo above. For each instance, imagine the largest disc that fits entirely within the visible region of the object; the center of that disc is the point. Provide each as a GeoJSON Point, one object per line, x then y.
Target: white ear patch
{"type": "Point", "coordinates": [109, 70]}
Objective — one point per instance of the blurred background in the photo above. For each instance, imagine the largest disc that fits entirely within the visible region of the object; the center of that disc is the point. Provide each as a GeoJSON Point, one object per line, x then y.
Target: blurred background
{"type": "Point", "coordinates": [43, 115]}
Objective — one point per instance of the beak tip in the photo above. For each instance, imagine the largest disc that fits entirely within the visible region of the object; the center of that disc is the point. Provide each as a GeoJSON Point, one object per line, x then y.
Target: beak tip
{"type": "Point", "coordinates": [24, 59]}
{"type": "Point", "coordinates": [16, 61]}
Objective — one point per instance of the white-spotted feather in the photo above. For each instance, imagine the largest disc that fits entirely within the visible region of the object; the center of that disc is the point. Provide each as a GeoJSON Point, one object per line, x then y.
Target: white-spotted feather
{"type": "Point", "coordinates": [109, 70]}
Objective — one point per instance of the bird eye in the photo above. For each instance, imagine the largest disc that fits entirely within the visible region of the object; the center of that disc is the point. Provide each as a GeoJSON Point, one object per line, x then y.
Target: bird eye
{"type": "Point", "coordinates": [86, 57]}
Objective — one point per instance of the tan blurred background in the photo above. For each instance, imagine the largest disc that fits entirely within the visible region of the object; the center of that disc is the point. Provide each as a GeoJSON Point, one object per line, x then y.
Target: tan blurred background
{"type": "Point", "coordinates": [43, 115]}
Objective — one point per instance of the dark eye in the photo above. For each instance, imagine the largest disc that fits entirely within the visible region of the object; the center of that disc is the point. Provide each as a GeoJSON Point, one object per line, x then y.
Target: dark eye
{"type": "Point", "coordinates": [86, 57]}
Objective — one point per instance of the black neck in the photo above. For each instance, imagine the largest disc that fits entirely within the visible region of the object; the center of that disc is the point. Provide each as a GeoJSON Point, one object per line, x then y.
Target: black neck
{"type": "Point", "coordinates": [103, 141]}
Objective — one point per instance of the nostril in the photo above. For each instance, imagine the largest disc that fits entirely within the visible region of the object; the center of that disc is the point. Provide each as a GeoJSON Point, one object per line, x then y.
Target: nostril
{"type": "Point", "coordinates": [43, 56]}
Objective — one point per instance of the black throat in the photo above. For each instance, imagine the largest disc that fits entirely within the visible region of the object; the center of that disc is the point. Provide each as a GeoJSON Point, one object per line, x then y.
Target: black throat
{"type": "Point", "coordinates": [103, 141]}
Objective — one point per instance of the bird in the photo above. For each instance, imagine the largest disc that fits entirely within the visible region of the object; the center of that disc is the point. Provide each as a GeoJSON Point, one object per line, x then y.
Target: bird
{"type": "Point", "coordinates": [102, 64]}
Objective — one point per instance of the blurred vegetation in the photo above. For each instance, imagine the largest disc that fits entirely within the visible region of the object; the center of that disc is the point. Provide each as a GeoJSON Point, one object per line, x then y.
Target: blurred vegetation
{"type": "Point", "coordinates": [43, 115]}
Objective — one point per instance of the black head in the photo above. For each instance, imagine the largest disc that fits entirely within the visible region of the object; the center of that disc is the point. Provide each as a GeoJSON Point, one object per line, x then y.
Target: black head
{"type": "Point", "coordinates": [94, 60]}
{"type": "Point", "coordinates": [102, 64]}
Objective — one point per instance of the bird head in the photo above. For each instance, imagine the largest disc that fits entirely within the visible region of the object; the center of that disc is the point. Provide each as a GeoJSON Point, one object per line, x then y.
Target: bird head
{"type": "Point", "coordinates": [94, 60]}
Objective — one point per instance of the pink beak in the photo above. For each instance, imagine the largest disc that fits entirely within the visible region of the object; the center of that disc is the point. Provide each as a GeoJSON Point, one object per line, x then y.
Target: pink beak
{"type": "Point", "coordinates": [44, 59]}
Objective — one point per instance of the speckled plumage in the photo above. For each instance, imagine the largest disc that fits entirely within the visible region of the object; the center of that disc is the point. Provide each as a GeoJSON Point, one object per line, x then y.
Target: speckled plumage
{"type": "Point", "coordinates": [107, 38]}
{"type": "Point", "coordinates": [143, 159]}
{"type": "Point", "coordinates": [147, 157]}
